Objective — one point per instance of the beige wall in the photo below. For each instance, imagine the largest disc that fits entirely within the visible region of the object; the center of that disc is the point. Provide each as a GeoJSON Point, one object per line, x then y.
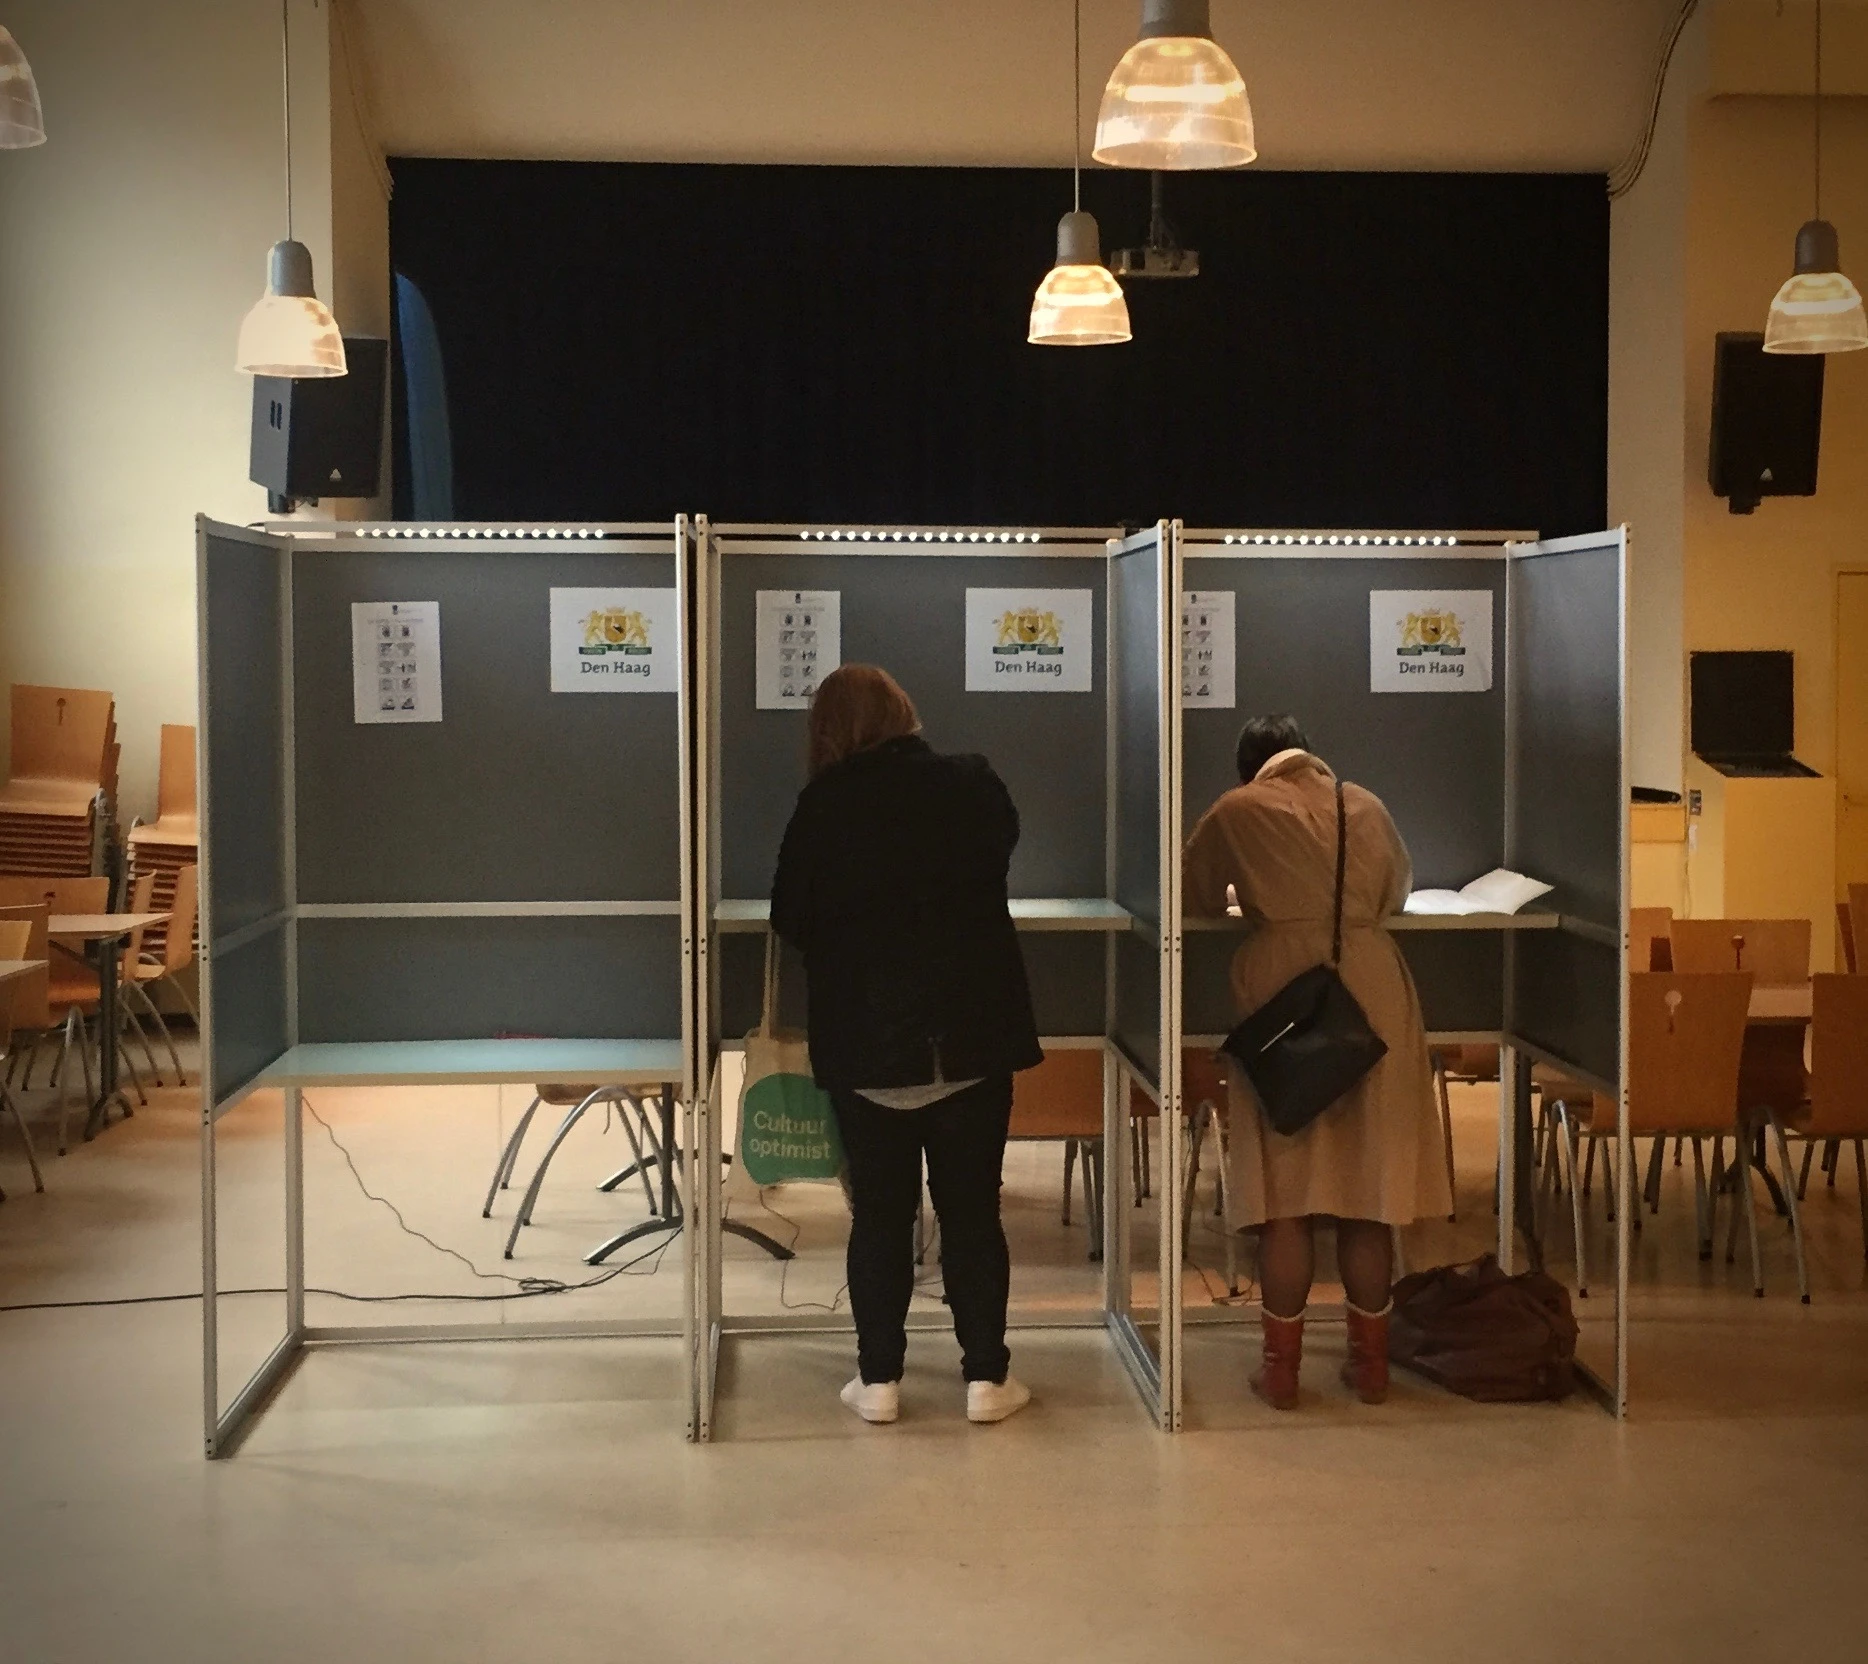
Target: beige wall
{"type": "Point", "coordinates": [135, 240]}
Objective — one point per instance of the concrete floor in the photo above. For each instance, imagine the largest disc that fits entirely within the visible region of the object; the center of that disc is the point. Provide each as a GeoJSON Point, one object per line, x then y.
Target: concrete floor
{"type": "Point", "coordinates": [496, 1501]}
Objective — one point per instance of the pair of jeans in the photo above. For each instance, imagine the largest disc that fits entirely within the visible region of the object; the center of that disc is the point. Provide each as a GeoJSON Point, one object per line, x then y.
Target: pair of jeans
{"type": "Point", "coordinates": [963, 1140]}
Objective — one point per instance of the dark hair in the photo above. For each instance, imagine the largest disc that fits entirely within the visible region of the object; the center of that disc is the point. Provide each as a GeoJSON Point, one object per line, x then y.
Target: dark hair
{"type": "Point", "coordinates": [855, 708]}
{"type": "Point", "coordinates": [1262, 738]}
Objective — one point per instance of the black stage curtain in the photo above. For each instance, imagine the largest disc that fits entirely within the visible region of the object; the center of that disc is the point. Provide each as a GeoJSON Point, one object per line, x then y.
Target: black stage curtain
{"type": "Point", "coordinates": [844, 344]}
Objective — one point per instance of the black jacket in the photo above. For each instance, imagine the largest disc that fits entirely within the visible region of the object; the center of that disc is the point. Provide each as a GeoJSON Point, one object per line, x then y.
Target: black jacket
{"type": "Point", "coordinates": [891, 880]}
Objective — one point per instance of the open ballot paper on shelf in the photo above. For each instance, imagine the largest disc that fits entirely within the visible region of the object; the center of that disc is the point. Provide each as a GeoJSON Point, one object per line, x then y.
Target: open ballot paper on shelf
{"type": "Point", "coordinates": [1430, 640]}
{"type": "Point", "coordinates": [798, 642]}
{"type": "Point", "coordinates": [1207, 682]}
{"type": "Point", "coordinates": [1029, 640]}
{"type": "Point", "coordinates": [1500, 891]}
{"type": "Point", "coordinates": [395, 660]}
{"type": "Point", "coordinates": [615, 641]}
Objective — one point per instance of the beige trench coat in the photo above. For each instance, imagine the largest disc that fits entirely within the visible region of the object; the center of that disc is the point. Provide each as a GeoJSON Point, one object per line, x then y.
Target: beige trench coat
{"type": "Point", "coordinates": [1375, 1154]}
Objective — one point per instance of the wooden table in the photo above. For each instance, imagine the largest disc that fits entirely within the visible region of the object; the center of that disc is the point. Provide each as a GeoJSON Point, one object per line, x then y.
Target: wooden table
{"type": "Point", "coordinates": [1780, 1006]}
{"type": "Point", "coordinates": [103, 935]}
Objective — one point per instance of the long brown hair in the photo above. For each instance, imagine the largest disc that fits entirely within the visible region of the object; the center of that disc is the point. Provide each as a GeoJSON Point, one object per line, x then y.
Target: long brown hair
{"type": "Point", "coordinates": [855, 708]}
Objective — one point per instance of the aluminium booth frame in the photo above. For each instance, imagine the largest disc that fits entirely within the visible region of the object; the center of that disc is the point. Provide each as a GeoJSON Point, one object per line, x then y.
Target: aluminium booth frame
{"type": "Point", "coordinates": [1579, 719]}
{"type": "Point", "coordinates": [254, 951]}
{"type": "Point", "coordinates": [1153, 1369]}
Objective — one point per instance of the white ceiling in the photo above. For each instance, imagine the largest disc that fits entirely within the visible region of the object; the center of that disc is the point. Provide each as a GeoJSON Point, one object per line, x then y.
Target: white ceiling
{"type": "Point", "coordinates": [1481, 84]}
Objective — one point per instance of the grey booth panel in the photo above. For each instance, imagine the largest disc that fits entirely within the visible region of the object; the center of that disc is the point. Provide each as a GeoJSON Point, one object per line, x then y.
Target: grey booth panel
{"type": "Point", "coordinates": [248, 1021]}
{"type": "Point", "coordinates": [519, 794]}
{"type": "Point", "coordinates": [1436, 759]}
{"type": "Point", "coordinates": [1064, 968]}
{"type": "Point", "coordinates": [244, 698]}
{"type": "Point", "coordinates": [1568, 817]}
{"type": "Point", "coordinates": [1135, 596]}
{"type": "Point", "coordinates": [1460, 975]}
{"type": "Point", "coordinates": [477, 978]}
{"type": "Point", "coordinates": [1566, 993]}
{"type": "Point", "coordinates": [907, 613]}
{"type": "Point", "coordinates": [1138, 1002]}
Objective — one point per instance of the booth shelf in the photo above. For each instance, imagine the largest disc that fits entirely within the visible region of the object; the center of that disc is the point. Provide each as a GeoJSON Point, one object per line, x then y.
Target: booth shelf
{"type": "Point", "coordinates": [1028, 913]}
{"type": "Point", "coordinates": [1426, 921]}
{"type": "Point", "coordinates": [477, 1062]}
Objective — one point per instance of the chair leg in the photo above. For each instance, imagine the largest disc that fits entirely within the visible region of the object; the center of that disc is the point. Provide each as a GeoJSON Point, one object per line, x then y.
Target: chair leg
{"type": "Point", "coordinates": [1148, 1163]}
{"type": "Point", "coordinates": [1744, 1202]}
{"type": "Point", "coordinates": [1679, 1140]}
{"type": "Point", "coordinates": [1567, 1130]}
{"type": "Point", "coordinates": [1861, 1191]}
{"type": "Point", "coordinates": [1832, 1159]}
{"type": "Point", "coordinates": [1589, 1174]}
{"type": "Point", "coordinates": [25, 1134]}
{"type": "Point", "coordinates": [1796, 1210]}
{"type": "Point", "coordinates": [1196, 1137]}
{"type": "Point", "coordinates": [509, 1156]}
{"type": "Point", "coordinates": [524, 1215]}
{"type": "Point", "coordinates": [638, 1167]}
{"type": "Point", "coordinates": [1446, 1133]}
{"type": "Point", "coordinates": [142, 1036]}
{"type": "Point", "coordinates": [1654, 1169]}
{"type": "Point", "coordinates": [1702, 1223]}
{"type": "Point", "coordinates": [1070, 1169]}
{"type": "Point", "coordinates": [1803, 1176]}
{"type": "Point", "coordinates": [162, 1028]}
{"type": "Point", "coordinates": [128, 1058]}
{"type": "Point", "coordinates": [1093, 1170]}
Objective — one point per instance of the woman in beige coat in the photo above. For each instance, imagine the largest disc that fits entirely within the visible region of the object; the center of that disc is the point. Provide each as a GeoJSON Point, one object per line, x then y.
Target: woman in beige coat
{"type": "Point", "coordinates": [1371, 1161]}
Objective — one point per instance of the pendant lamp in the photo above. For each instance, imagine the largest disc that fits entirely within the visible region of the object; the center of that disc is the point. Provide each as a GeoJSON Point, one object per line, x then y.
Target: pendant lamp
{"type": "Point", "coordinates": [1079, 303]}
{"type": "Point", "coordinates": [290, 332]}
{"type": "Point", "coordinates": [1818, 310]}
{"type": "Point", "coordinates": [1175, 101]}
{"type": "Point", "coordinates": [22, 123]}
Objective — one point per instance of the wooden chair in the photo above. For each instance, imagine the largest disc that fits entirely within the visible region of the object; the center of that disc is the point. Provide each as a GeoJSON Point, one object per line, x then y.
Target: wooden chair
{"type": "Point", "coordinates": [1062, 1100]}
{"type": "Point", "coordinates": [1837, 1111]}
{"type": "Point", "coordinates": [55, 1000]}
{"type": "Point", "coordinates": [1686, 1037]}
{"type": "Point", "coordinates": [1650, 945]}
{"type": "Point", "coordinates": [15, 941]}
{"type": "Point", "coordinates": [57, 894]}
{"type": "Point", "coordinates": [1858, 923]}
{"type": "Point", "coordinates": [577, 1100]}
{"type": "Point", "coordinates": [178, 953]}
{"type": "Point", "coordinates": [1205, 1102]}
{"type": "Point", "coordinates": [1776, 952]}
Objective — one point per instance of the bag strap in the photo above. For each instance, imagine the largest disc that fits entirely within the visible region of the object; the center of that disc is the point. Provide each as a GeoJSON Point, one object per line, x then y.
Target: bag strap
{"type": "Point", "coordinates": [1342, 861]}
{"type": "Point", "coordinates": [768, 1017]}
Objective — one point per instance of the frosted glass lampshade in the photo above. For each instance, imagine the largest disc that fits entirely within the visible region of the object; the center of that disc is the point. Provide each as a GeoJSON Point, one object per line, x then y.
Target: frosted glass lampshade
{"type": "Point", "coordinates": [290, 332]}
{"type": "Point", "coordinates": [1079, 304]}
{"type": "Point", "coordinates": [1176, 101]}
{"type": "Point", "coordinates": [22, 122]}
{"type": "Point", "coordinates": [1818, 310]}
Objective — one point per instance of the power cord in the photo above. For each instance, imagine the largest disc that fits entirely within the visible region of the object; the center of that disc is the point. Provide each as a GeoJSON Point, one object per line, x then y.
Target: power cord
{"type": "Point", "coordinates": [524, 1288]}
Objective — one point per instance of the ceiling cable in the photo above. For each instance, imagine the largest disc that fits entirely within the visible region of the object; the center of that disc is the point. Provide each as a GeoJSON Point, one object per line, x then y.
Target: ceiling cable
{"type": "Point", "coordinates": [1622, 179]}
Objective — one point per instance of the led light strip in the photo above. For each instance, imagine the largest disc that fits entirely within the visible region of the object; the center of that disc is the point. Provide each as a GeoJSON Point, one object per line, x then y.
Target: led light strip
{"type": "Point", "coordinates": [493, 532]}
{"type": "Point", "coordinates": [850, 535]}
{"type": "Point", "coordinates": [1310, 540]}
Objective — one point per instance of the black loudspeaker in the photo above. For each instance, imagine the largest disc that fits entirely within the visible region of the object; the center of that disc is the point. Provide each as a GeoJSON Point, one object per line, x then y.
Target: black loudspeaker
{"type": "Point", "coordinates": [322, 436]}
{"type": "Point", "coordinates": [1767, 422]}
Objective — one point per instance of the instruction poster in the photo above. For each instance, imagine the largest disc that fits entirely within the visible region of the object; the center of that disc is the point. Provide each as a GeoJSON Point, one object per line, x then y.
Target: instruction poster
{"type": "Point", "coordinates": [1430, 640]}
{"type": "Point", "coordinates": [395, 660]}
{"type": "Point", "coordinates": [799, 641]}
{"type": "Point", "coordinates": [615, 641]}
{"type": "Point", "coordinates": [1207, 680]}
{"type": "Point", "coordinates": [1029, 640]}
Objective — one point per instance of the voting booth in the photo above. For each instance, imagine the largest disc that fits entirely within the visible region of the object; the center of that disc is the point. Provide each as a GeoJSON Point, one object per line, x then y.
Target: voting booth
{"type": "Point", "coordinates": [1046, 651]}
{"type": "Point", "coordinates": [424, 845]}
{"type": "Point", "coordinates": [1476, 683]}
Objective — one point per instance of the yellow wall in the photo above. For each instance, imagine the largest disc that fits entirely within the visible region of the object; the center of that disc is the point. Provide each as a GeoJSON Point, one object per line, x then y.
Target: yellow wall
{"type": "Point", "coordinates": [1768, 580]}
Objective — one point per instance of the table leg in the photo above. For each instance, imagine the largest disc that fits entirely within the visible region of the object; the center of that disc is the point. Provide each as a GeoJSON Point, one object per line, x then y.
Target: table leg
{"type": "Point", "coordinates": [108, 954]}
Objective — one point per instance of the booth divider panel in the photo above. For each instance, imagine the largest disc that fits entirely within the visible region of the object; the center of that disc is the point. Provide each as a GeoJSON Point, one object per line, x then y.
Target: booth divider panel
{"type": "Point", "coordinates": [243, 699]}
{"type": "Point", "coordinates": [518, 794]}
{"type": "Point", "coordinates": [908, 615]}
{"type": "Point", "coordinates": [479, 978]}
{"type": "Point", "coordinates": [1436, 759]}
{"type": "Point", "coordinates": [1136, 584]}
{"type": "Point", "coordinates": [1567, 994]}
{"type": "Point", "coordinates": [250, 1021]}
{"type": "Point", "coordinates": [1568, 814]}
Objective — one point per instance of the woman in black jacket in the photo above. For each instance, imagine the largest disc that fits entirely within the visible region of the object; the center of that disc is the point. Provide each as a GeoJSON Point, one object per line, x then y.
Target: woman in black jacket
{"type": "Point", "coordinates": [892, 883]}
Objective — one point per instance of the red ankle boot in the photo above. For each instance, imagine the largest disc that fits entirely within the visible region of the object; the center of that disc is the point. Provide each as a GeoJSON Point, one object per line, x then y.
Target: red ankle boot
{"type": "Point", "coordinates": [1276, 1378]}
{"type": "Point", "coordinates": [1365, 1372]}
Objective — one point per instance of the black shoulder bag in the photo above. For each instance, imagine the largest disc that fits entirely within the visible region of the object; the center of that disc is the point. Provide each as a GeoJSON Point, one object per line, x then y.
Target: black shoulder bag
{"type": "Point", "coordinates": [1310, 1042]}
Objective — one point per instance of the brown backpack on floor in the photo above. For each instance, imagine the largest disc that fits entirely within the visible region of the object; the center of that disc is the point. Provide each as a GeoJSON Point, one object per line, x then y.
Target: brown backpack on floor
{"type": "Point", "coordinates": [1484, 1335]}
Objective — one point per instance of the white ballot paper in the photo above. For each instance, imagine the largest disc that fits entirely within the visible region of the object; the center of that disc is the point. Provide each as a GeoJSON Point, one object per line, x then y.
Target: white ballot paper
{"type": "Point", "coordinates": [1207, 681]}
{"type": "Point", "coordinates": [615, 641]}
{"type": "Point", "coordinates": [1029, 640]}
{"type": "Point", "coordinates": [1430, 640]}
{"type": "Point", "coordinates": [798, 642]}
{"type": "Point", "coordinates": [1500, 891]}
{"type": "Point", "coordinates": [395, 660]}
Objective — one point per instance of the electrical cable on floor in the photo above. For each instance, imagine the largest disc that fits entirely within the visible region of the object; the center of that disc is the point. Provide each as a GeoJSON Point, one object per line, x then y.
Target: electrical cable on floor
{"type": "Point", "coordinates": [784, 1270]}
{"type": "Point", "coordinates": [525, 1288]}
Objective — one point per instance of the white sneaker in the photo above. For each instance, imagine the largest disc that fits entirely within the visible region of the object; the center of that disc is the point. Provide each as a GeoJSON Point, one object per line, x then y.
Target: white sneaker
{"type": "Point", "coordinates": [995, 1400]}
{"type": "Point", "coordinates": [877, 1401]}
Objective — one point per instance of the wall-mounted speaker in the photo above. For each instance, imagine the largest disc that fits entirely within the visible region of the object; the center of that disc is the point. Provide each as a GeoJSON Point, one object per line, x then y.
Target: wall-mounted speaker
{"type": "Point", "coordinates": [1767, 422]}
{"type": "Point", "coordinates": [322, 436]}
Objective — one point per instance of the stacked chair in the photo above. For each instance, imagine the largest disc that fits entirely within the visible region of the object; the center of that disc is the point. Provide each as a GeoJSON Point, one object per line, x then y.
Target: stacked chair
{"type": "Point", "coordinates": [172, 840]}
{"type": "Point", "coordinates": [57, 810]}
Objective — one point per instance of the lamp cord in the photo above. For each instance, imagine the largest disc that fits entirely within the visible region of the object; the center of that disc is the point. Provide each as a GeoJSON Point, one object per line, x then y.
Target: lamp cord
{"type": "Point", "coordinates": [1076, 107]}
{"type": "Point", "coordinates": [1819, 109]}
{"type": "Point", "coordinates": [285, 54]}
